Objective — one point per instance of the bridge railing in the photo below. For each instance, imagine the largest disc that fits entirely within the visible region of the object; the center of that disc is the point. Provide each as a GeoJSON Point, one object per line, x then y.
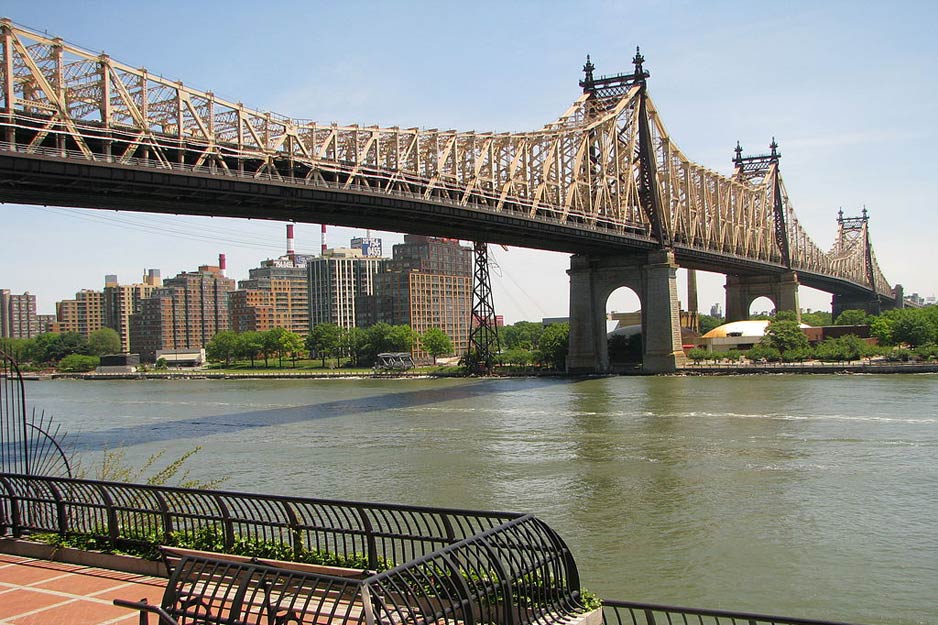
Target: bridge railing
{"type": "Point", "coordinates": [545, 213]}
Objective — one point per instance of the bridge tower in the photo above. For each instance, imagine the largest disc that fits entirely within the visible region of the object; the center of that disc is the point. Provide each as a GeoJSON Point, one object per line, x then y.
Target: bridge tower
{"type": "Point", "coordinates": [853, 232]}
{"type": "Point", "coordinates": [782, 287]}
{"type": "Point", "coordinates": [652, 275]}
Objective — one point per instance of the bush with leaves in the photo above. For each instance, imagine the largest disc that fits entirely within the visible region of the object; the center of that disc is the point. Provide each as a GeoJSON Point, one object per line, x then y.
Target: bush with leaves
{"type": "Point", "coordinates": [699, 354]}
{"type": "Point", "coordinates": [760, 353]}
{"type": "Point", "coordinates": [78, 363]}
{"type": "Point", "coordinates": [114, 468]}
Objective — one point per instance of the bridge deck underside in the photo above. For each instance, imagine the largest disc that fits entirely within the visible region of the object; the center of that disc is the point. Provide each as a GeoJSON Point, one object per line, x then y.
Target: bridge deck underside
{"type": "Point", "coordinates": [39, 179]}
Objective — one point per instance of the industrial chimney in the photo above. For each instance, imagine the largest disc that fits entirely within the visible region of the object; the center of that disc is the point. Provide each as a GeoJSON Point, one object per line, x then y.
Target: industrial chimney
{"type": "Point", "coordinates": [222, 264]}
{"type": "Point", "coordinates": [324, 239]}
{"type": "Point", "coordinates": [291, 250]}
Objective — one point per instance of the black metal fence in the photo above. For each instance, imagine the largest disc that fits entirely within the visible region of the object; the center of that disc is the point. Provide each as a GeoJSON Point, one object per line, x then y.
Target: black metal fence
{"type": "Point", "coordinates": [629, 613]}
{"type": "Point", "coordinates": [472, 566]}
{"type": "Point", "coordinates": [441, 564]}
{"type": "Point", "coordinates": [128, 515]}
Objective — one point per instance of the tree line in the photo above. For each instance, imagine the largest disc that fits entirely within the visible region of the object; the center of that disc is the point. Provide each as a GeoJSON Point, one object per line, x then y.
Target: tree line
{"type": "Point", "coordinates": [355, 346]}
{"type": "Point", "coordinates": [901, 334]}
{"type": "Point", "coordinates": [66, 351]}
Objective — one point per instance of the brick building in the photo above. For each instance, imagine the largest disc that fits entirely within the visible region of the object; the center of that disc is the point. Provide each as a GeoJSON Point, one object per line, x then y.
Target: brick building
{"type": "Point", "coordinates": [18, 319]}
{"type": "Point", "coordinates": [427, 283]}
{"type": "Point", "coordinates": [184, 314]}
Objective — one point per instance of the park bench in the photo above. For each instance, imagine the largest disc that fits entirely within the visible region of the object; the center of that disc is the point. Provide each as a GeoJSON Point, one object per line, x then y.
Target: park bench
{"type": "Point", "coordinates": [221, 589]}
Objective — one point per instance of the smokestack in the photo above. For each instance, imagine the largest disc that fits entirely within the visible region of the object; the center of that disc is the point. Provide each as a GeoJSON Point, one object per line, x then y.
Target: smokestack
{"type": "Point", "coordinates": [291, 250]}
{"type": "Point", "coordinates": [222, 264]}
{"type": "Point", "coordinates": [324, 239]}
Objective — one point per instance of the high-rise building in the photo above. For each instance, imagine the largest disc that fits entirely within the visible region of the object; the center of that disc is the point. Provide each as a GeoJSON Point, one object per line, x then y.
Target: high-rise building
{"type": "Point", "coordinates": [184, 314]}
{"type": "Point", "coordinates": [84, 314]}
{"type": "Point", "coordinates": [428, 283]}
{"type": "Point", "coordinates": [18, 315]}
{"type": "Point", "coordinates": [250, 311]}
{"type": "Point", "coordinates": [123, 300]}
{"type": "Point", "coordinates": [275, 295]}
{"type": "Point", "coordinates": [336, 282]}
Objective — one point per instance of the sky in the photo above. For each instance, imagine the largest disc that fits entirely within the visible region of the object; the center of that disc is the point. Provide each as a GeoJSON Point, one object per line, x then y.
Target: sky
{"type": "Point", "coordinates": [848, 89]}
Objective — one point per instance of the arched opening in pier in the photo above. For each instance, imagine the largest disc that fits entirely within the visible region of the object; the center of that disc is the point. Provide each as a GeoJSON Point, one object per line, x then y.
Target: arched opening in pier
{"type": "Point", "coordinates": [624, 327]}
{"type": "Point", "coordinates": [761, 307]}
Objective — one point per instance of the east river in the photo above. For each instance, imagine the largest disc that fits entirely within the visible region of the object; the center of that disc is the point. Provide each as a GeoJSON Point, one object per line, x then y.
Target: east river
{"type": "Point", "coordinates": [810, 495]}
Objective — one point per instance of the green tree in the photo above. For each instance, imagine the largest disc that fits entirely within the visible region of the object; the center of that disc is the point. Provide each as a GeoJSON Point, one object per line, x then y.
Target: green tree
{"type": "Point", "coordinates": [436, 343]}
{"type": "Point", "coordinates": [250, 345]}
{"type": "Point", "coordinates": [708, 322]}
{"type": "Point", "coordinates": [291, 343]}
{"type": "Point", "coordinates": [355, 344]}
{"type": "Point", "coordinates": [78, 363]}
{"type": "Point", "coordinates": [104, 341]}
{"type": "Point", "coordinates": [18, 349]}
{"type": "Point", "coordinates": [554, 344]}
{"type": "Point", "coordinates": [274, 340]}
{"type": "Point", "coordinates": [913, 328]}
{"type": "Point", "coordinates": [852, 317]}
{"type": "Point", "coordinates": [400, 338]}
{"type": "Point", "coordinates": [881, 328]}
{"type": "Point", "coordinates": [222, 347]}
{"type": "Point", "coordinates": [516, 356]}
{"type": "Point", "coordinates": [270, 343]}
{"type": "Point", "coordinates": [523, 334]}
{"type": "Point", "coordinates": [327, 340]}
{"type": "Point", "coordinates": [699, 353]}
{"type": "Point", "coordinates": [817, 318]}
{"type": "Point", "coordinates": [849, 347]}
{"type": "Point", "coordinates": [784, 333]}
{"type": "Point", "coordinates": [51, 347]}
{"type": "Point", "coordinates": [762, 352]}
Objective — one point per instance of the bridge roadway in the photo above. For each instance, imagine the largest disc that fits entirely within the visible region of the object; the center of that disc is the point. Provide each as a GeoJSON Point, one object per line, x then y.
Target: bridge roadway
{"type": "Point", "coordinates": [45, 177]}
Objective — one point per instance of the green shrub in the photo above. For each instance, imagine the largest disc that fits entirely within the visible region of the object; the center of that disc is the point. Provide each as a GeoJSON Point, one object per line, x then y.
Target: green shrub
{"type": "Point", "coordinates": [798, 354]}
{"type": "Point", "coordinates": [699, 353]}
{"type": "Point", "coordinates": [762, 352]}
{"type": "Point", "coordinates": [77, 363]}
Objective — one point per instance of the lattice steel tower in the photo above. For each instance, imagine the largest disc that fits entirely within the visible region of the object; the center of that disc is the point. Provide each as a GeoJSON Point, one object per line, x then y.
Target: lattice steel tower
{"type": "Point", "coordinates": [483, 334]}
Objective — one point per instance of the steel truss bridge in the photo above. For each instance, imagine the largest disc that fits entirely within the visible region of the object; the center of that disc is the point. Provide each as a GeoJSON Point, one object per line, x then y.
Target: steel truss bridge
{"type": "Point", "coordinates": [81, 129]}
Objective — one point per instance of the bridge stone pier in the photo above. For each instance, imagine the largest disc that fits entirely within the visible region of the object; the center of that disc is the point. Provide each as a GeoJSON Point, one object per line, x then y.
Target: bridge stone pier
{"type": "Point", "coordinates": [741, 291]}
{"type": "Point", "coordinates": [653, 276]}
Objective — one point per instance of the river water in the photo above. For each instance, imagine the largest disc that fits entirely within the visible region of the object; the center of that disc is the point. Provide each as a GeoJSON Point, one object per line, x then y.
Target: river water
{"type": "Point", "coordinates": [804, 495]}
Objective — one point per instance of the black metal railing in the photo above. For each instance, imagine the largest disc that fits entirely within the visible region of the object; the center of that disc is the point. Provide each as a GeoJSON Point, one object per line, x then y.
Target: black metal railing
{"type": "Point", "coordinates": [465, 565]}
{"type": "Point", "coordinates": [630, 613]}
{"type": "Point", "coordinates": [123, 515]}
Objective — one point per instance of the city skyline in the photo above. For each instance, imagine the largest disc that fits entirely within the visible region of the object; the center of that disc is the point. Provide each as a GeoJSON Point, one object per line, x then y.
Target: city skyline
{"type": "Point", "coordinates": [823, 80]}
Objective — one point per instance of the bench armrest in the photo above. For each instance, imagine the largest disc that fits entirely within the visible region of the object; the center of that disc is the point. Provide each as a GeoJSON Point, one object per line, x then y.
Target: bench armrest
{"type": "Point", "coordinates": [144, 608]}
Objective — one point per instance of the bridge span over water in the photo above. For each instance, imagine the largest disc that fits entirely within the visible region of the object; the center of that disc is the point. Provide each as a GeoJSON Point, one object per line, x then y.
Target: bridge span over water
{"type": "Point", "coordinates": [604, 182]}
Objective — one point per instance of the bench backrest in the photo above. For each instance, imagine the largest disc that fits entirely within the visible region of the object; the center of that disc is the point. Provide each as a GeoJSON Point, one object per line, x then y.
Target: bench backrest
{"type": "Point", "coordinates": [225, 592]}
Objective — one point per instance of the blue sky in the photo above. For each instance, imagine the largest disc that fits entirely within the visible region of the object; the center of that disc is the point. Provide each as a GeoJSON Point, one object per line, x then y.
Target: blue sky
{"type": "Point", "coordinates": [848, 89]}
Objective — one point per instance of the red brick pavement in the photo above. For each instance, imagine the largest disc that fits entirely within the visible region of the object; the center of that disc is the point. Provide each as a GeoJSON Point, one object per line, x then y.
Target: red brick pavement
{"type": "Point", "coordinates": [39, 592]}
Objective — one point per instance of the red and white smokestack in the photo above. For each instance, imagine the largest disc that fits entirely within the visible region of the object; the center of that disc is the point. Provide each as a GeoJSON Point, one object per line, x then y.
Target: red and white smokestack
{"type": "Point", "coordinates": [324, 239]}
{"type": "Point", "coordinates": [291, 250]}
{"type": "Point", "coordinates": [222, 264]}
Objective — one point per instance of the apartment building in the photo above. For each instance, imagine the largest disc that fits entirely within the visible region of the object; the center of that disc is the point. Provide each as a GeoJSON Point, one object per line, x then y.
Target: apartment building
{"type": "Point", "coordinates": [337, 280]}
{"type": "Point", "coordinates": [184, 314]}
{"type": "Point", "coordinates": [18, 319]}
{"type": "Point", "coordinates": [427, 283]}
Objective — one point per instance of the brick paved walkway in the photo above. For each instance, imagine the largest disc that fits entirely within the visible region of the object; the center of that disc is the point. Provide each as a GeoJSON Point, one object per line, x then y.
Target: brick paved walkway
{"type": "Point", "coordinates": [39, 592]}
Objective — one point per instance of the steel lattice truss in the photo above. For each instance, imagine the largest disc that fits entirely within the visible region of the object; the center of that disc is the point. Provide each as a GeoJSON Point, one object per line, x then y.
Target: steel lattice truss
{"type": "Point", "coordinates": [606, 164]}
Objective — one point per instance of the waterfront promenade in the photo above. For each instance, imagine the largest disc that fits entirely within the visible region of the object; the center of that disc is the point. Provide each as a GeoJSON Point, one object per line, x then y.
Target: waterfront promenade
{"type": "Point", "coordinates": [42, 592]}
